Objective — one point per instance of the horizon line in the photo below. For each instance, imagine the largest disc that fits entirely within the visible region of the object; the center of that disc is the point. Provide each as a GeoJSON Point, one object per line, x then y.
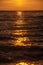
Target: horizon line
{"type": "Point", "coordinates": [21, 10]}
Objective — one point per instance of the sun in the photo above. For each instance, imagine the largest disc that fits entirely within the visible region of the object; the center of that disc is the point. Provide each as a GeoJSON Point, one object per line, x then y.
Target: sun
{"type": "Point", "coordinates": [19, 2]}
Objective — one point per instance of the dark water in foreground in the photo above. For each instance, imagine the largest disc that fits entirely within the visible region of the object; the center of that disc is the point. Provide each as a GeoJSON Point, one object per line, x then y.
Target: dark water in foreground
{"type": "Point", "coordinates": [21, 38]}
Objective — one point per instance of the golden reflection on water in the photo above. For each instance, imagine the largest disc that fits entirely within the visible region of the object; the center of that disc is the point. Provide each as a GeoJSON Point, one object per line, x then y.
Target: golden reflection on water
{"type": "Point", "coordinates": [20, 39]}
{"type": "Point", "coordinates": [19, 32]}
{"type": "Point", "coordinates": [21, 42]}
{"type": "Point", "coordinates": [24, 63]}
{"type": "Point", "coordinates": [19, 22]}
{"type": "Point", "coordinates": [19, 13]}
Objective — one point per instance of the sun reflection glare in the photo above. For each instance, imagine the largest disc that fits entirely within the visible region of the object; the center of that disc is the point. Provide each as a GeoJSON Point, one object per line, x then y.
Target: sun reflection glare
{"type": "Point", "coordinates": [19, 13]}
{"type": "Point", "coordinates": [21, 42]}
{"type": "Point", "coordinates": [19, 32]}
{"type": "Point", "coordinates": [20, 39]}
{"type": "Point", "coordinates": [24, 63]}
{"type": "Point", "coordinates": [32, 64]}
{"type": "Point", "coordinates": [19, 22]}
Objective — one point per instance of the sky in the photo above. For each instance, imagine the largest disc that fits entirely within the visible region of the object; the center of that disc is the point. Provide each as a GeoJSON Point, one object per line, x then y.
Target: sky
{"type": "Point", "coordinates": [21, 4]}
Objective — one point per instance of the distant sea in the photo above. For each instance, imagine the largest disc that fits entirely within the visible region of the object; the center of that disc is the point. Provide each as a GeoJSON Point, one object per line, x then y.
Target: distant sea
{"type": "Point", "coordinates": [21, 37]}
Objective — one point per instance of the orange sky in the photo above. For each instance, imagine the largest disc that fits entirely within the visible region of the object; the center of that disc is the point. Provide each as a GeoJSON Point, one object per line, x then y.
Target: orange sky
{"type": "Point", "coordinates": [21, 4]}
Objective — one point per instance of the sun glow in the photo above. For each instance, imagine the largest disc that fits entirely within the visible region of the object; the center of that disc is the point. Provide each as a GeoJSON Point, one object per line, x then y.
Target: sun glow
{"type": "Point", "coordinates": [19, 2]}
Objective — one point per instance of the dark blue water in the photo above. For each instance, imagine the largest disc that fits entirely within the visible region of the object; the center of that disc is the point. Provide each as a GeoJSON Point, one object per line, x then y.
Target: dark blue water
{"type": "Point", "coordinates": [21, 37]}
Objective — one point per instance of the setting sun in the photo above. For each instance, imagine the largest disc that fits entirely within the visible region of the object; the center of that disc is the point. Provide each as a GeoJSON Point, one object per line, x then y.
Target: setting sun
{"type": "Point", "coordinates": [19, 2]}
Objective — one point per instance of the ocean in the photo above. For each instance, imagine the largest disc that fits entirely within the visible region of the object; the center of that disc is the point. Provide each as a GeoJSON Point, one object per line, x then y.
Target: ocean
{"type": "Point", "coordinates": [21, 37]}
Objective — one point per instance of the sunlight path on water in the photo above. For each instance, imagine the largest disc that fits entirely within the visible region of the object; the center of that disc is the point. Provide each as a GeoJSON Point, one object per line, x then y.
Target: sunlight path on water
{"type": "Point", "coordinates": [19, 13]}
{"type": "Point", "coordinates": [20, 39]}
{"type": "Point", "coordinates": [24, 63]}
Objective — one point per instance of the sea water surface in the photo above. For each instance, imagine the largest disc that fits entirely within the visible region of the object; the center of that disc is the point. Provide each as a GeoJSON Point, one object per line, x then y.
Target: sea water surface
{"type": "Point", "coordinates": [21, 37]}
